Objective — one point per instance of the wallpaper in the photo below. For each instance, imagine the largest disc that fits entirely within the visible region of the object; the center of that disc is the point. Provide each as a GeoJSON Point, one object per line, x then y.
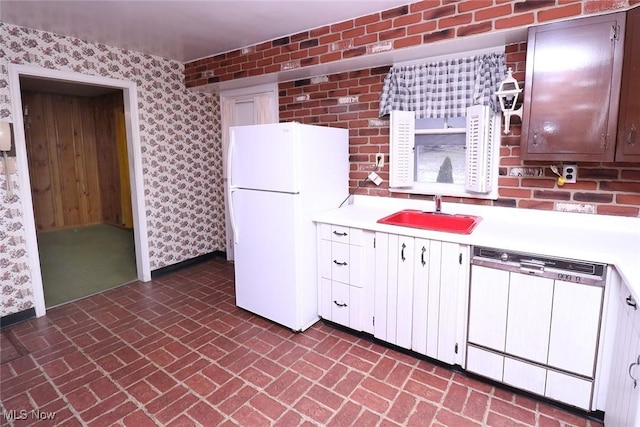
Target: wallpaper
{"type": "Point", "coordinates": [181, 153]}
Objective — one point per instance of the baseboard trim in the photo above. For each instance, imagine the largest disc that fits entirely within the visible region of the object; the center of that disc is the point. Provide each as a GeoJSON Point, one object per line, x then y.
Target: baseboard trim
{"type": "Point", "coordinates": [21, 316]}
{"type": "Point", "coordinates": [187, 263]}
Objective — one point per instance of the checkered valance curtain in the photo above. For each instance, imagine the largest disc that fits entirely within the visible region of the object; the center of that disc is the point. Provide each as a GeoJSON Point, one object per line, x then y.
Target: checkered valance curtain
{"type": "Point", "coordinates": [445, 88]}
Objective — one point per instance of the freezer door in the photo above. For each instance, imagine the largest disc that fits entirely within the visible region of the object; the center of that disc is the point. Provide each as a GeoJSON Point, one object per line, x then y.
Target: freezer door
{"type": "Point", "coordinates": [264, 157]}
{"type": "Point", "coordinates": [274, 271]}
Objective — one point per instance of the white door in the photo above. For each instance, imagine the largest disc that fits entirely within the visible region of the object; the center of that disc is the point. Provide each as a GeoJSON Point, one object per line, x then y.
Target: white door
{"type": "Point", "coordinates": [239, 107]}
{"type": "Point", "coordinates": [266, 255]}
{"type": "Point", "coordinates": [265, 157]}
{"type": "Point", "coordinates": [529, 317]}
{"type": "Point", "coordinates": [575, 325]}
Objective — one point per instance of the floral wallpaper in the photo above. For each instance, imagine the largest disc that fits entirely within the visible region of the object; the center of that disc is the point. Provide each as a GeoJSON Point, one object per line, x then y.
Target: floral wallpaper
{"type": "Point", "coordinates": [181, 153]}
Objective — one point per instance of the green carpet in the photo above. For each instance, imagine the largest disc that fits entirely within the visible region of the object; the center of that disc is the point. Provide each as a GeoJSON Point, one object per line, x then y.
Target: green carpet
{"type": "Point", "coordinates": [82, 261]}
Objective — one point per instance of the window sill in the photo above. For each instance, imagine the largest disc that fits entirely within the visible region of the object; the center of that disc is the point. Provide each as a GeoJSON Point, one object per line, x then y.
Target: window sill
{"type": "Point", "coordinates": [444, 190]}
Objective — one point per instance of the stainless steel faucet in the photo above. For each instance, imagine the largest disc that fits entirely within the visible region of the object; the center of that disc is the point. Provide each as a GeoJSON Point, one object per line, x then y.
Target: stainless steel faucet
{"type": "Point", "coordinates": [438, 200]}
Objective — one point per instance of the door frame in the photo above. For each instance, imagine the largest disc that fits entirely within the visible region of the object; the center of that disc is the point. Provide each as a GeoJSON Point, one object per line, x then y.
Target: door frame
{"type": "Point", "coordinates": [130, 97]}
{"type": "Point", "coordinates": [237, 96]}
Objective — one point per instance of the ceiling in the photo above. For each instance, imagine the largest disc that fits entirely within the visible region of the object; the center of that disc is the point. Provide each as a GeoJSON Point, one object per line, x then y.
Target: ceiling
{"type": "Point", "coordinates": [184, 30]}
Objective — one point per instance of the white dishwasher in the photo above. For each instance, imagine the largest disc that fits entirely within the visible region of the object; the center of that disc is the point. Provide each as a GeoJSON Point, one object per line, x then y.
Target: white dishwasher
{"type": "Point", "coordinates": [534, 322]}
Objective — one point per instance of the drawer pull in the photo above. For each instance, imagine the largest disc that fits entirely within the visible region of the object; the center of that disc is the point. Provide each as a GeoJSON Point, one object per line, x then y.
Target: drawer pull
{"type": "Point", "coordinates": [339, 233]}
{"type": "Point", "coordinates": [422, 256]}
{"type": "Point", "coordinates": [339, 263]}
{"type": "Point", "coordinates": [631, 302]}
{"type": "Point", "coordinates": [637, 362]}
{"type": "Point", "coordinates": [402, 252]}
{"type": "Point", "coordinates": [344, 305]}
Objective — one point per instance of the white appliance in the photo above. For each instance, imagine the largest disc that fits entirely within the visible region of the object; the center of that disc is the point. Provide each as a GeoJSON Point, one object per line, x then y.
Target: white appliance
{"type": "Point", "coordinates": [279, 176]}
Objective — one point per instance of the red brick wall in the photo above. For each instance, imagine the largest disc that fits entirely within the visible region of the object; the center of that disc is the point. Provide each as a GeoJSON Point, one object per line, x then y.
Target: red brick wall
{"type": "Point", "coordinates": [350, 100]}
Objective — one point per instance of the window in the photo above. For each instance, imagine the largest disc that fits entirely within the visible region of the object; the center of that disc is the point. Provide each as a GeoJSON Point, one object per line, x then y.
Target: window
{"type": "Point", "coordinates": [454, 156]}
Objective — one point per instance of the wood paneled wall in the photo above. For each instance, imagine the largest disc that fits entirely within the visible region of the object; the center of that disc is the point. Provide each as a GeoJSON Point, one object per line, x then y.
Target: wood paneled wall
{"type": "Point", "coordinates": [71, 147]}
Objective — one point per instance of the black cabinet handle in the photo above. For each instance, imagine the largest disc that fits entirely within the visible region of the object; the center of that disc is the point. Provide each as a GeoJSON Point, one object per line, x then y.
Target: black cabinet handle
{"type": "Point", "coordinates": [339, 263]}
{"type": "Point", "coordinates": [631, 302]}
{"type": "Point", "coordinates": [630, 135]}
{"type": "Point", "coordinates": [337, 233]}
{"type": "Point", "coordinates": [422, 256]}
{"type": "Point", "coordinates": [344, 305]}
{"type": "Point", "coordinates": [635, 382]}
{"type": "Point", "coordinates": [402, 252]}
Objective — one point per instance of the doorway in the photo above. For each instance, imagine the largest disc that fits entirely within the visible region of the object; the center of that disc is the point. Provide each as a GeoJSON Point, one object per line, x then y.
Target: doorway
{"type": "Point", "coordinates": [77, 154]}
{"type": "Point", "coordinates": [241, 107]}
{"type": "Point", "coordinates": [18, 74]}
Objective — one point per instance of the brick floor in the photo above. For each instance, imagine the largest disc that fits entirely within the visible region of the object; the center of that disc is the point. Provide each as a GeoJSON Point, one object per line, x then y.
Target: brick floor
{"type": "Point", "coordinates": [177, 352]}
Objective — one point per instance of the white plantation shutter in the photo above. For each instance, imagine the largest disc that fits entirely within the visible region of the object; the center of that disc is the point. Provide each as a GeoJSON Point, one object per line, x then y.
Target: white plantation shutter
{"type": "Point", "coordinates": [401, 144]}
{"type": "Point", "coordinates": [482, 126]}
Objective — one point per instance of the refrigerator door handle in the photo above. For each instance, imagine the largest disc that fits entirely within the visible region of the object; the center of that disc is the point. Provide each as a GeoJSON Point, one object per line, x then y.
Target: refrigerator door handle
{"type": "Point", "coordinates": [231, 188]}
{"type": "Point", "coordinates": [232, 216]}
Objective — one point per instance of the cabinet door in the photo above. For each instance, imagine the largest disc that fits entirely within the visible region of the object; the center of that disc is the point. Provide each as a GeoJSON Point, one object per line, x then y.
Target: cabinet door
{"type": "Point", "coordinates": [421, 297]}
{"type": "Point", "coordinates": [380, 288]}
{"type": "Point", "coordinates": [340, 305]}
{"type": "Point", "coordinates": [488, 299]}
{"type": "Point", "coordinates": [529, 315]}
{"type": "Point", "coordinates": [628, 144]}
{"type": "Point", "coordinates": [452, 278]}
{"type": "Point", "coordinates": [400, 290]}
{"type": "Point", "coordinates": [572, 89]}
{"type": "Point", "coordinates": [623, 397]}
{"type": "Point", "coordinates": [575, 325]}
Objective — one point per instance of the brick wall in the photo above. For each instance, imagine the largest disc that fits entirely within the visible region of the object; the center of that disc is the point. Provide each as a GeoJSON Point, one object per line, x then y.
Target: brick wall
{"type": "Point", "coordinates": [350, 99]}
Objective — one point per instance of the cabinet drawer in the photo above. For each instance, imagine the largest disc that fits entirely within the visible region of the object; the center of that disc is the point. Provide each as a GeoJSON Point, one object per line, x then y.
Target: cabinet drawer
{"type": "Point", "coordinates": [340, 234]}
{"type": "Point", "coordinates": [340, 265]}
{"type": "Point", "coordinates": [340, 304]}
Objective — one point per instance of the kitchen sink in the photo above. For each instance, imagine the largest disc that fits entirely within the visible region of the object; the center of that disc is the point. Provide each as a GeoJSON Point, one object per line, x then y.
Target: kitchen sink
{"type": "Point", "coordinates": [451, 223]}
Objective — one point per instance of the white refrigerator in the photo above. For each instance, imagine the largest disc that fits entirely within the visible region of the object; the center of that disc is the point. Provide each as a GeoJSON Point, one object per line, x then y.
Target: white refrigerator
{"type": "Point", "coordinates": [279, 176]}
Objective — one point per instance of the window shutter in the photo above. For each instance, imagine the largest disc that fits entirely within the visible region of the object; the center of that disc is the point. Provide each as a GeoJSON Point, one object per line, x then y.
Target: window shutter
{"type": "Point", "coordinates": [482, 127]}
{"type": "Point", "coordinates": [401, 145]}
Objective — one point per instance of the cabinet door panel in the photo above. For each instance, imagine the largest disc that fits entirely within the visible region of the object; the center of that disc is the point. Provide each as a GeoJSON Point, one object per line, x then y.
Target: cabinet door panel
{"type": "Point", "coordinates": [628, 144]}
{"type": "Point", "coordinates": [524, 375]}
{"type": "Point", "coordinates": [568, 389]}
{"type": "Point", "coordinates": [448, 322]}
{"type": "Point", "coordinates": [488, 307]}
{"type": "Point", "coordinates": [572, 89]}
{"type": "Point", "coordinates": [433, 302]}
{"type": "Point", "coordinates": [380, 290]}
{"type": "Point", "coordinates": [393, 259]}
{"type": "Point", "coordinates": [356, 264]}
{"type": "Point", "coordinates": [404, 309]}
{"type": "Point", "coordinates": [485, 363]}
{"type": "Point", "coordinates": [574, 327]}
{"type": "Point", "coordinates": [420, 296]}
{"type": "Point", "coordinates": [529, 315]}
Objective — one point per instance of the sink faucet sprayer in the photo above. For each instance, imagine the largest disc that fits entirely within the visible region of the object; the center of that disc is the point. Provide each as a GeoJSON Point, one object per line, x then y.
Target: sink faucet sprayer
{"type": "Point", "coordinates": [438, 200]}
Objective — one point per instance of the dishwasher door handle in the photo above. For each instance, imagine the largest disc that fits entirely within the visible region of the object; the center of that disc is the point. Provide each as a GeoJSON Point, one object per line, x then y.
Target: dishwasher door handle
{"type": "Point", "coordinates": [531, 267]}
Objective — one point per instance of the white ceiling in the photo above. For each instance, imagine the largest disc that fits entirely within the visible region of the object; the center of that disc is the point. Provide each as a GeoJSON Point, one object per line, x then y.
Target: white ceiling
{"type": "Point", "coordinates": [184, 30]}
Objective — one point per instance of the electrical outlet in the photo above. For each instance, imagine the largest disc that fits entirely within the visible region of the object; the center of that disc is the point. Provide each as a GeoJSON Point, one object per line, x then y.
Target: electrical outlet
{"type": "Point", "coordinates": [570, 173]}
{"type": "Point", "coordinates": [379, 160]}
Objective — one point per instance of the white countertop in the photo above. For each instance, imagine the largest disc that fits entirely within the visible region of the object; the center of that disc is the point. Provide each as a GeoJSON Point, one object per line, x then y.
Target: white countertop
{"type": "Point", "coordinates": [598, 238]}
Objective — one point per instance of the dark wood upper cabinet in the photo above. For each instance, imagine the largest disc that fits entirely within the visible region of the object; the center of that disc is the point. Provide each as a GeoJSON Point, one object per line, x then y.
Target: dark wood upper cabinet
{"type": "Point", "coordinates": [628, 144]}
{"type": "Point", "coordinates": [572, 89]}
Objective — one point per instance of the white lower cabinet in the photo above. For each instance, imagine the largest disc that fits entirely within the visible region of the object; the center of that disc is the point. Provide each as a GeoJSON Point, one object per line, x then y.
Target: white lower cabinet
{"type": "Point", "coordinates": [623, 398]}
{"type": "Point", "coordinates": [534, 333]}
{"type": "Point", "coordinates": [420, 288]}
{"type": "Point", "coordinates": [345, 274]}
